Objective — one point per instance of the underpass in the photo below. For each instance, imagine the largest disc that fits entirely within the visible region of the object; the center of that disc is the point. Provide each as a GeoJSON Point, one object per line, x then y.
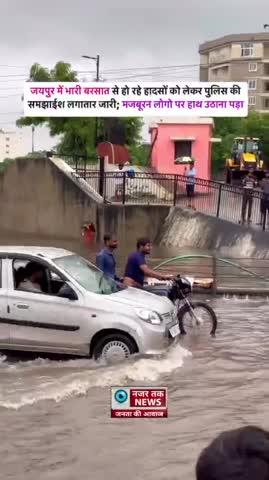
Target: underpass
{"type": "Point", "coordinates": [50, 408]}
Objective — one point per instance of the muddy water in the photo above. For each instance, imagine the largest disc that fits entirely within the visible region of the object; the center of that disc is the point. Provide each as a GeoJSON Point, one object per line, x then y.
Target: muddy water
{"type": "Point", "coordinates": [54, 415]}
{"type": "Point", "coordinates": [78, 246]}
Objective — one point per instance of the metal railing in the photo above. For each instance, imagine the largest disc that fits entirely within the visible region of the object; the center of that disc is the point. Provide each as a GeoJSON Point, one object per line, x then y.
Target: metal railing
{"type": "Point", "coordinates": [213, 198]}
{"type": "Point", "coordinates": [230, 275]}
{"type": "Point", "coordinates": [81, 163]}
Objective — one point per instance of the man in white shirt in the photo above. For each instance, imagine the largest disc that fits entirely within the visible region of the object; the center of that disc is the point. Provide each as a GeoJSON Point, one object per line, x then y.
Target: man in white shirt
{"type": "Point", "coordinates": [119, 182]}
{"type": "Point", "coordinates": [190, 183]}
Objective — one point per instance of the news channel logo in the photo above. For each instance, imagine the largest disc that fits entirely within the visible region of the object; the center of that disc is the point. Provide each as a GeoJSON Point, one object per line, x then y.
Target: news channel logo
{"type": "Point", "coordinates": [120, 397]}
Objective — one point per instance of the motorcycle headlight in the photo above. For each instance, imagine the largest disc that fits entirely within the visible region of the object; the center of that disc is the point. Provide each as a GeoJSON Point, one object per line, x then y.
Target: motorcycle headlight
{"type": "Point", "coordinates": [148, 316]}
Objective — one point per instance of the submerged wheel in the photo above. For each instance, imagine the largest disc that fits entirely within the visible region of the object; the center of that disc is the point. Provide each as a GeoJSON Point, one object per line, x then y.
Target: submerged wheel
{"type": "Point", "coordinates": [201, 316]}
{"type": "Point", "coordinates": [114, 348]}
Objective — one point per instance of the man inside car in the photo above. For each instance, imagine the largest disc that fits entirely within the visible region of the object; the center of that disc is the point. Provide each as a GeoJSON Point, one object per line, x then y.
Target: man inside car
{"type": "Point", "coordinates": [33, 275]}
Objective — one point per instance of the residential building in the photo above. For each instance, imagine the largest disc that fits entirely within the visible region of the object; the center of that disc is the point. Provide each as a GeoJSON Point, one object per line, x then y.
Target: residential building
{"type": "Point", "coordinates": [176, 139]}
{"type": "Point", "coordinates": [11, 144]}
{"type": "Point", "coordinates": [240, 58]}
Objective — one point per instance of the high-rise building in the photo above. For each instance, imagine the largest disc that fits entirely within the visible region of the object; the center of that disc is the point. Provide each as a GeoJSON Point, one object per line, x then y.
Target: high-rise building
{"type": "Point", "coordinates": [241, 58]}
{"type": "Point", "coordinates": [11, 145]}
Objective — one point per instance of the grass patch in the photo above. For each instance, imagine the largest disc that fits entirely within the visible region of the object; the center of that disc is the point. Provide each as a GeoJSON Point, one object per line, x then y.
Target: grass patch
{"type": "Point", "coordinates": [5, 164]}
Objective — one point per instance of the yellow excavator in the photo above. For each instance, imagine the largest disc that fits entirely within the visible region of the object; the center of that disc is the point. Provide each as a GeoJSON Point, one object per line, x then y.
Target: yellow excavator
{"type": "Point", "coordinates": [246, 155]}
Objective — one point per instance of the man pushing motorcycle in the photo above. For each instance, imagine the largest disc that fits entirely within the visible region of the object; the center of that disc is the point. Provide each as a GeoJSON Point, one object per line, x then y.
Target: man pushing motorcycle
{"type": "Point", "coordinates": [137, 270]}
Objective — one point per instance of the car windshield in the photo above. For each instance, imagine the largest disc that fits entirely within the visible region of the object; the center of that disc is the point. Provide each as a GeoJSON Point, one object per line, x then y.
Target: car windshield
{"type": "Point", "coordinates": [87, 275]}
{"type": "Point", "coordinates": [252, 146]}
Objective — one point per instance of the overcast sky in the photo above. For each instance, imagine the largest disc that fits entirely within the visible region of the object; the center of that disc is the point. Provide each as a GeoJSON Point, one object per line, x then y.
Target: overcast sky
{"type": "Point", "coordinates": [126, 37]}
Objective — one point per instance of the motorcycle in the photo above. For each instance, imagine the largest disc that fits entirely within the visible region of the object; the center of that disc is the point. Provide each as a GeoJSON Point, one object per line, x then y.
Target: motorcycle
{"type": "Point", "coordinates": [178, 290]}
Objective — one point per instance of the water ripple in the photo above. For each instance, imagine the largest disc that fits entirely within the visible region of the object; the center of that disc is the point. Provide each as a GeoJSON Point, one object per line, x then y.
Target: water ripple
{"type": "Point", "coordinates": [65, 427]}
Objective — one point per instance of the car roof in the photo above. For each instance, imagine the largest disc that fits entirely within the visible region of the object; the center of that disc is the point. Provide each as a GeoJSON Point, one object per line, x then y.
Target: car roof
{"type": "Point", "coordinates": [45, 252]}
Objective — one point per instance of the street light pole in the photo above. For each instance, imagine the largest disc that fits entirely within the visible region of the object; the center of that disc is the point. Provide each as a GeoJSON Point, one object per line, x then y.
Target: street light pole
{"type": "Point", "coordinates": [97, 79]}
{"type": "Point", "coordinates": [97, 61]}
{"type": "Point", "coordinates": [98, 68]}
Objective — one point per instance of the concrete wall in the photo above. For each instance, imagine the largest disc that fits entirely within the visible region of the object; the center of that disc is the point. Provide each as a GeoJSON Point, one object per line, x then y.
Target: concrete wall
{"type": "Point", "coordinates": [257, 50]}
{"type": "Point", "coordinates": [221, 54]}
{"type": "Point", "coordinates": [132, 221]}
{"type": "Point", "coordinates": [184, 228]}
{"type": "Point", "coordinates": [219, 74]}
{"type": "Point", "coordinates": [38, 198]}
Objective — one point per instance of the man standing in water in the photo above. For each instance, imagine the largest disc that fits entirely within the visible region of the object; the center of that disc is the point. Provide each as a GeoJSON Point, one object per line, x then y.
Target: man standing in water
{"type": "Point", "coordinates": [136, 268]}
{"type": "Point", "coordinates": [105, 259]}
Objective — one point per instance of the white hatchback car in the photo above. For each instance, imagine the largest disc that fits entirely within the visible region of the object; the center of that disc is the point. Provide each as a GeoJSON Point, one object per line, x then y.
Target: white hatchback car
{"type": "Point", "coordinates": [78, 311]}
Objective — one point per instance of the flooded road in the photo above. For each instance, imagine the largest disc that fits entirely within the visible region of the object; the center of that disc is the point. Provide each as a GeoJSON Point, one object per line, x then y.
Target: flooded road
{"type": "Point", "coordinates": [54, 415]}
{"type": "Point", "coordinates": [55, 420]}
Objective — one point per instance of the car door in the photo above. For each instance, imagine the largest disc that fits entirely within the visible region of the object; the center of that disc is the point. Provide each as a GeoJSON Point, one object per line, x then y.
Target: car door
{"type": "Point", "coordinates": [4, 320]}
{"type": "Point", "coordinates": [44, 322]}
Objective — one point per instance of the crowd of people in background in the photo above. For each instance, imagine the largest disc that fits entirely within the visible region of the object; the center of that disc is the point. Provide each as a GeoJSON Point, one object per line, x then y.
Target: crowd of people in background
{"type": "Point", "coordinates": [250, 183]}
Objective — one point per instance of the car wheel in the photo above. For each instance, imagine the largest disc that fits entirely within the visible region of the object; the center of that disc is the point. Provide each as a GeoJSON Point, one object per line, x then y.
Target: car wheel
{"type": "Point", "coordinates": [114, 348]}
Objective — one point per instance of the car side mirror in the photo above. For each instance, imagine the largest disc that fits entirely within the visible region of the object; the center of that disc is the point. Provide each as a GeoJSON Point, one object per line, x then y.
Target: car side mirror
{"type": "Point", "coordinates": [67, 292]}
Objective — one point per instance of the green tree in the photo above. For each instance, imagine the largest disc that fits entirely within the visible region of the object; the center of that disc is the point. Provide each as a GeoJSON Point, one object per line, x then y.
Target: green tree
{"type": "Point", "coordinates": [225, 129]}
{"type": "Point", "coordinates": [257, 125]}
{"type": "Point", "coordinates": [140, 154]}
{"type": "Point", "coordinates": [77, 133]}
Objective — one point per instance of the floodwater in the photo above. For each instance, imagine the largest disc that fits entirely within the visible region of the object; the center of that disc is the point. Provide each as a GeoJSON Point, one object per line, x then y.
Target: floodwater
{"type": "Point", "coordinates": [55, 420]}
{"type": "Point", "coordinates": [54, 415]}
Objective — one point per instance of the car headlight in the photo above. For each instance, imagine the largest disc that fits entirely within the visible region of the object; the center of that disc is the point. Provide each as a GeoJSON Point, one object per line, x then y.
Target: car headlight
{"type": "Point", "coordinates": [148, 316]}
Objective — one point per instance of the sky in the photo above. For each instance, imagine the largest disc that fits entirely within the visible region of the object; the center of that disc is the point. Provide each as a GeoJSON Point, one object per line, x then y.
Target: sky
{"type": "Point", "coordinates": [135, 41]}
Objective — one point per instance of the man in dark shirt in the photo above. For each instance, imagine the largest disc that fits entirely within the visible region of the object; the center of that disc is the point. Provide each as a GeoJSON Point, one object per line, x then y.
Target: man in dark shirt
{"type": "Point", "coordinates": [249, 183]}
{"type": "Point", "coordinates": [105, 259]}
{"type": "Point", "coordinates": [136, 268]}
{"type": "Point", "coordinates": [264, 207]}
